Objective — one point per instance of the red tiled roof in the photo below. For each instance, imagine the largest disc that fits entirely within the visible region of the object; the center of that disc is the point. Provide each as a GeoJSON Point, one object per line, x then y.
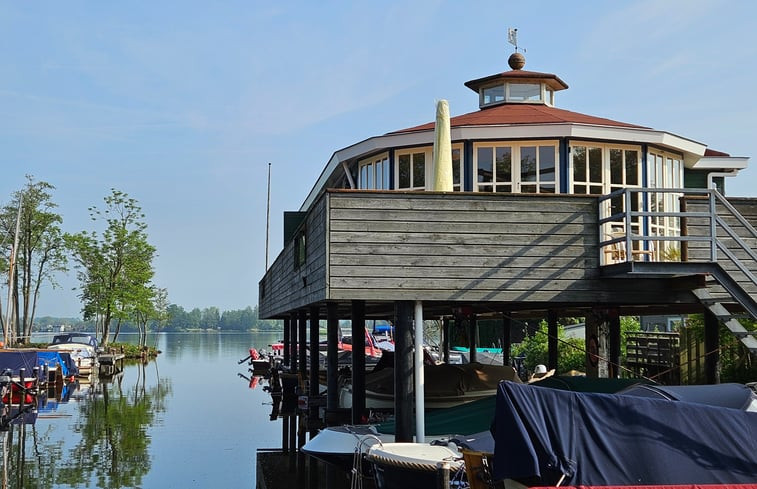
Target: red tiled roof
{"type": "Point", "coordinates": [712, 152]}
{"type": "Point", "coordinates": [553, 81]}
{"type": "Point", "coordinates": [521, 114]}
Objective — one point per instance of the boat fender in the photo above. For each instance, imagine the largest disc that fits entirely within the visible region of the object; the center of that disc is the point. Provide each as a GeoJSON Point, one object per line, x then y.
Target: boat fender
{"type": "Point", "coordinates": [254, 354]}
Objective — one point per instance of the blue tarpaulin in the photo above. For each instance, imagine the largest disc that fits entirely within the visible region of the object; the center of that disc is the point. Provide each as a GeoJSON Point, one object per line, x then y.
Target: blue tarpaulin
{"type": "Point", "coordinates": [542, 435]}
{"type": "Point", "coordinates": [18, 359]}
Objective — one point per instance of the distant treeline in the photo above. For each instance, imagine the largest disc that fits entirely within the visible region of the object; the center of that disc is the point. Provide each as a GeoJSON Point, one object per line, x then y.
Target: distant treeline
{"type": "Point", "coordinates": [178, 320]}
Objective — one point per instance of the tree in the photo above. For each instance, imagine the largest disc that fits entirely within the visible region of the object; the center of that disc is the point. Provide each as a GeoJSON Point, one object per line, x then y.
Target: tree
{"type": "Point", "coordinates": [40, 252]}
{"type": "Point", "coordinates": [115, 269]}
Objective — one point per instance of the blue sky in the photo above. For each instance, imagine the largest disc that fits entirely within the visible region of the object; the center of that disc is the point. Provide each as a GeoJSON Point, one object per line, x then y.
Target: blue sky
{"type": "Point", "coordinates": [183, 104]}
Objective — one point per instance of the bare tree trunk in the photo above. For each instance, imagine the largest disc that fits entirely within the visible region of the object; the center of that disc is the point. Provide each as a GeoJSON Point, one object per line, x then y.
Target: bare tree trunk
{"type": "Point", "coordinates": [118, 330]}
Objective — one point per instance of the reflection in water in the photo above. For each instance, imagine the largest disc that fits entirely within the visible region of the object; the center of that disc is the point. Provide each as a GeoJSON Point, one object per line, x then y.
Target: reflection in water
{"type": "Point", "coordinates": [106, 444]}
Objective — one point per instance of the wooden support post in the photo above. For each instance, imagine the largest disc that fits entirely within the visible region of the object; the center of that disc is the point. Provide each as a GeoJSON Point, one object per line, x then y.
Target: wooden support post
{"type": "Point", "coordinates": [284, 434]}
{"type": "Point", "coordinates": [613, 319]}
{"type": "Point", "coordinates": [473, 334]}
{"type": "Point", "coordinates": [358, 361]}
{"type": "Point", "coordinates": [506, 338]}
{"type": "Point", "coordinates": [332, 365]}
{"type": "Point", "coordinates": [403, 371]}
{"type": "Point", "coordinates": [445, 340]}
{"type": "Point", "coordinates": [287, 341]}
{"type": "Point", "coordinates": [302, 344]}
{"type": "Point", "coordinates": [711, 348]}
{"type": "Point", "coordinates": [552, 339]}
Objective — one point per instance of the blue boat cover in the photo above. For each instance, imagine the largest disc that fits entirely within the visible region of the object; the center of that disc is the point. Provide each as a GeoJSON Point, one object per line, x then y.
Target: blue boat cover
{"type": "Point", "coordinates": [609, 439]}
{"type": "Point", "coordinates": [18, 359]}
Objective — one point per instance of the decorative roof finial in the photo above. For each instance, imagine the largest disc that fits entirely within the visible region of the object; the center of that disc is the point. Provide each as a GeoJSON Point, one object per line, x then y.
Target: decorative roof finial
{"type": "Point", "coordinates": [516, 60]}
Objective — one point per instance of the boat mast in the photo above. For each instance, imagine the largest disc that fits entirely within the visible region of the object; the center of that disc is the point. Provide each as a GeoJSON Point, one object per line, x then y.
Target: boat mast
{"type": "Point", "coordinates": [267, 215]}
{"type": "Point", "coordinates": [10, 312]}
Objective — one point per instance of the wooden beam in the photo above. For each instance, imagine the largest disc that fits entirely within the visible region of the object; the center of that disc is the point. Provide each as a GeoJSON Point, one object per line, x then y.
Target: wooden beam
{"type": "Point", "coordinates": [358, 361]}
{"type": "Point", "coordinates": [552, 344]}
{"type": "Point", "coordinates": [403, 371]}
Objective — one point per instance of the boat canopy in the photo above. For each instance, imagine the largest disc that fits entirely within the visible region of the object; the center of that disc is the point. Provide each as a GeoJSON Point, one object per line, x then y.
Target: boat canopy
{"type": "Point", "coordinates": [547, 436]}
{"type": "Point", "coordinates": [15, 360]}
{"type": "Point", "coordinates": [730, 395]}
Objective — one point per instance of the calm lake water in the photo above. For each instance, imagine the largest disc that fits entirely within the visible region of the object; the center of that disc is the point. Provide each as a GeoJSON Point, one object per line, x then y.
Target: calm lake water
{"type": "Point", "coordinates": [184, 420]}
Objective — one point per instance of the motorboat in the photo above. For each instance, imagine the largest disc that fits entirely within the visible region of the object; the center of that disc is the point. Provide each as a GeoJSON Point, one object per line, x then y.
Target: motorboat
{"type": "Point", "coordinates": [82, 347]}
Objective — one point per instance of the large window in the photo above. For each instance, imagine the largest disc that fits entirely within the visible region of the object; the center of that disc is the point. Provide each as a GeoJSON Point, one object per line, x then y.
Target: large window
{"type": "Point", "coordinates": [413, 168]}
{"type": "Point", "coordinates": [516, 167]}
{"type": "Point", "coordinates": [665, 171]}
{"type": "Point", "coordinates": [516, 93]}
{"type": "Point", "coordinates": [374, 173]}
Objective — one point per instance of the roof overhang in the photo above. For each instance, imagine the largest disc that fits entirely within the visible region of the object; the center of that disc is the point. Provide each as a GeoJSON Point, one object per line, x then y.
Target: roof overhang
{"type": "Point", "coordinates": [721, 163]}
{"type": "Point", "coordinates": [692, 151]}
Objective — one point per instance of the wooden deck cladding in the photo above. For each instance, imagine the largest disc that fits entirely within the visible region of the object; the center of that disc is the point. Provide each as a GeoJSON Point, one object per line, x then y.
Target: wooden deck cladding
{"type": "Point", "coordinates": [488, 251]}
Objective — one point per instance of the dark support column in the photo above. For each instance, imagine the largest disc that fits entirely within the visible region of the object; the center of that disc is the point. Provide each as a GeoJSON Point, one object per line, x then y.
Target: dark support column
{"type": "Point", "coordinates": [358, 361]}
{"type": "Point", "coordinates": [292, 441]}
{"type": "Point", "coordinates": [711, 348]}
{"type": "Point", "coordinates": [403, 371]}
{"type": "Point", "coordinates": [287, 341]}
{"type": "Point", "coordinates": [332, 367]}
{"type": "Point", "coordinates": [293, 344]}
{"type": "Point", "coordinates": [506, 338]}
{"type": "Point", "coordinates": [473, 334]}
{"type": "Point", "coordinates": [332, 373]}
{"type": "Point", "coordinates": [552, 340]}
{"type": "Point", "coordinates": [314, 351]}
{"type": "Point", "coordinates": [302, 343]}
{"type": "Point", "coordinates": [613, 321]}
{"type": "Point", "coordinates": [445, 340]}
{"type": "Point", "coordinates": [285, 434]}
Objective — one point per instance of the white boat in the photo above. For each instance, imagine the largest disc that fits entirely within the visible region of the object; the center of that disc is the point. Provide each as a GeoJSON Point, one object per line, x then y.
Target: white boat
{"type": "Point", "coordinates": [81, 346]}
{"type": "Point", "coordinates": [401, 465]}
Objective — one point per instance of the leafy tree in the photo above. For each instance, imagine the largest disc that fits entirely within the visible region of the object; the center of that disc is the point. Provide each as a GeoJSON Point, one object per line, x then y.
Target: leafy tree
{"type": "Point", "coordinates": [114, 269]}
{"type": "Point", "coordinates": [40, 252]}
{"type": "Point", "coordinates": [571, 351]}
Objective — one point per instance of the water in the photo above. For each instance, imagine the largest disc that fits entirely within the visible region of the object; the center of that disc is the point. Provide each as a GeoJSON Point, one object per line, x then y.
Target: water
{"type": "Point", "coordinates": [184, 420]}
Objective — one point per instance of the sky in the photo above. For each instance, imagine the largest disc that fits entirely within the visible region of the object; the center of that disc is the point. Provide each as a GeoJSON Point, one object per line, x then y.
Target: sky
{"type": "Point", "coordinates": [183, 104]}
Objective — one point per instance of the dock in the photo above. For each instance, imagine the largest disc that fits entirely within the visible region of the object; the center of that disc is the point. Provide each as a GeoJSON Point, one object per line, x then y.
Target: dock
{"type": "Point", "coordinates": [111, 363]}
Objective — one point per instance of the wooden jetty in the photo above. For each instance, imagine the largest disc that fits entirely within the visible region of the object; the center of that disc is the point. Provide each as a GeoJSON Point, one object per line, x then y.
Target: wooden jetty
{"type": "Point", "coordinates": [110, 363]}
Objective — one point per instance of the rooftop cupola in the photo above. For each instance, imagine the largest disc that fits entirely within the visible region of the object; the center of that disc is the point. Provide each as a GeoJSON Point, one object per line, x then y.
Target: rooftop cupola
{"type": "Point", "coordinates": [517, 86]}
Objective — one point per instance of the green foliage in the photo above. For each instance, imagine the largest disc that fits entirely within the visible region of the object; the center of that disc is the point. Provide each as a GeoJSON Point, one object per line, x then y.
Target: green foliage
{"type": "Point", "coordinates": [736, 363]}
{"type": "Point", "coordinates": [114, 268]}
{"type": "Point", "coordinates": [571, 351]}
{"type": "Point", "coordinates": [40, 252]}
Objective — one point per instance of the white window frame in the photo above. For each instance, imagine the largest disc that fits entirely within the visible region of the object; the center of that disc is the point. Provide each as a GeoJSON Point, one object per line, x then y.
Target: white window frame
{"type": "Point", "coordinates": [671, 174]}
{"type": "Point", "coordinates": [426, 150]}
{"type": "Point", "coordinates": [371, 165]}
{"type": "Point", "coordinates": [515, 156]}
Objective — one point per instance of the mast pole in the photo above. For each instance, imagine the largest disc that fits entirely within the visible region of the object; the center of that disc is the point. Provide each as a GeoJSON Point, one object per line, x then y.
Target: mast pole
{"type": "Point", "coordinates": [267, 215]}
{"type": "Point", "coordinates": [8, 336]}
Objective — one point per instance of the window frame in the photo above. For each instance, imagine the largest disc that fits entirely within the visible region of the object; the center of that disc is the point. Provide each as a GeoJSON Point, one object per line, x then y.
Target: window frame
{"type": "Point", "coordinates": [516, 183]}
{"type": "Point", "coordinates": [370, 165]}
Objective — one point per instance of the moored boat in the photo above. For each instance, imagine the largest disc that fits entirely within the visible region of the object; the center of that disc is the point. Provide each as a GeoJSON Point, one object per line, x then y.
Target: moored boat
{"type": "Point", "coordinates": [81, 346]}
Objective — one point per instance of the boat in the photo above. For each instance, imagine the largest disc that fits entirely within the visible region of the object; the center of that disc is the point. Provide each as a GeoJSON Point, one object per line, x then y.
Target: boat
{"type": "Point", "coordinates": [82, 347]}
{"type": "Point", "coordinates": [547, 437]}
{"type": "Point", "coordinates": [446, 385]}
{"type": "Point", "coordinates": [402, 465]}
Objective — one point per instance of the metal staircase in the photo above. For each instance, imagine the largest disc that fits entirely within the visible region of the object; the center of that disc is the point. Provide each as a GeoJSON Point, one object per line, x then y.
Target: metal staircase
{"type": "Point", "coordinates": [716, 241]}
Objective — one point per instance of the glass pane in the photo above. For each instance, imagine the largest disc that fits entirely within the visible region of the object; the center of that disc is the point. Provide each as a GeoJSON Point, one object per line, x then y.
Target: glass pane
{"type": "Point", "coordinates": [528, 164]}
{"type": "Point", "coordinates": [494, 94]}
{"type": "Point", "coordinates": [595, 165]}
{"type": "Point", "coordinates": [528, 189]}
{"type": "Point", "coordinates": [456, 167]}
{"type": "Point", "coordinates": [419, 170]}
{"type": "Point", "coordinates": [632, 167]}
{"type": "Point", "coordinates": [485, 164]}
{"type": "Point", "coordinates": [404, 172]}
{"type": "Point", "coordinates": [651, 171]}
{"type": "Point", "coordinates": [546, 164]}
{"type": "Point", "coordinates": [504, 188]}
{"type": "Point", "coordinates": [485, 188]}
{"type": "Point", "coordinates": [369, 181]}
{"type": "Point", "coordinates": [363, 177]}
{"type": "Point", "coordinates": [547, 189]}
{"type": "Point", "coordinates": [379, 175]}
{"type": "Point", "coordinates": [616, 166]}
{"type": "Point", "coordinates": [504, 164]}
{"type": "Point", "coordinates": [579, 164]}
{"type": "Point", "coordinates": [579, 189]}
{"type": "Point", "coordinates": [595, 189]}
{"type": "Point", "coordinates": [520, 92]}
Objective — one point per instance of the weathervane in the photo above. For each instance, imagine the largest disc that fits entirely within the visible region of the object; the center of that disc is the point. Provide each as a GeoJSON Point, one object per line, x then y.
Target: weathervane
{"type": "Point", "coordinates": [512, 37]}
